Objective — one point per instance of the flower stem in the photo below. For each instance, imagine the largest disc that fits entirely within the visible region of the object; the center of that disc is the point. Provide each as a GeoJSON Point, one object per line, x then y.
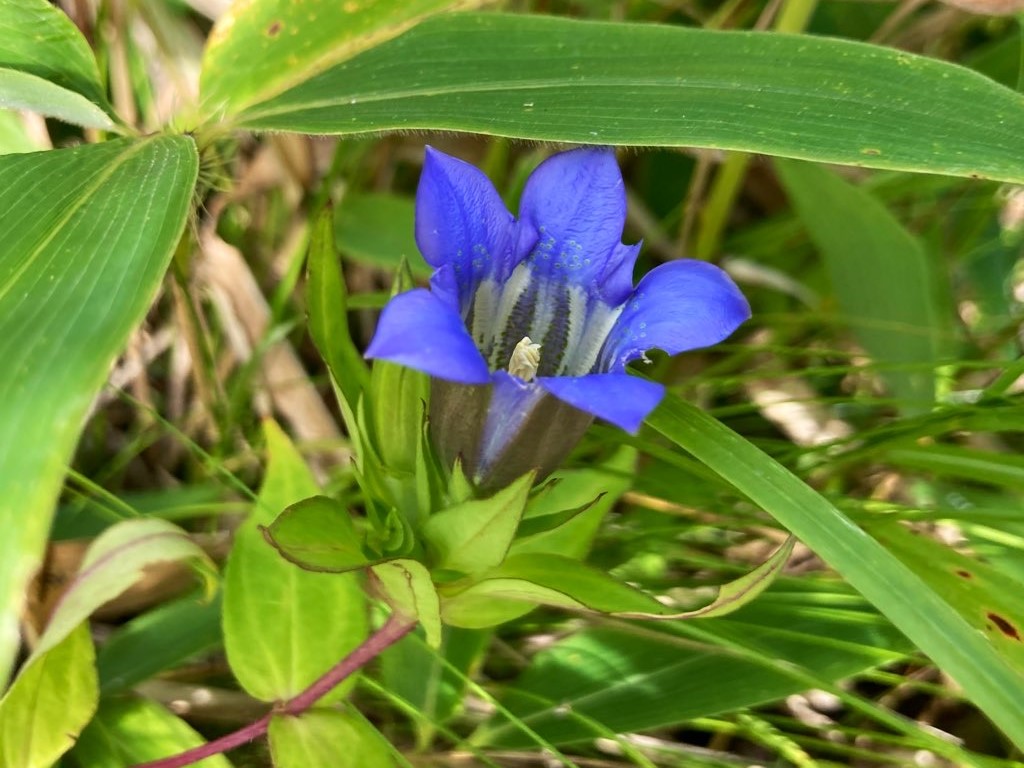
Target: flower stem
{"type": "Point", "coordinates": [393, 630]}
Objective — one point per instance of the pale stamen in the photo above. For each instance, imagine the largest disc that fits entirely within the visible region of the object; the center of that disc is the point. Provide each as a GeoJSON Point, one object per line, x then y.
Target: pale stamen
{"type": "Point", "coordinates": [525, 360]}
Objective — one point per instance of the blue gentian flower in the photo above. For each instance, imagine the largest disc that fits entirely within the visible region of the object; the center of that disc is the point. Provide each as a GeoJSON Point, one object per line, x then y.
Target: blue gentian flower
{"type": "Point", "coordinates": [544, 305]}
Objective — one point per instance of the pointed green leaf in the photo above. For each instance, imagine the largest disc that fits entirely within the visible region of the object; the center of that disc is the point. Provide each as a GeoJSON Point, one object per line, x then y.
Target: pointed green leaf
{"type": "Point", "coordinates": [88, 233]}
{"type": "Point", "coordinates": [283, 626]}
{"type": "Point", "coordinates": [556, 79]}
{"type": "Point", "coordinates": [405, 585]}
{"type": "Point", "coordinates": [810, 634]}
{"type": "Point", "coordinates": [548, 579]}
{"type": "Point", "coordinates": [540, 579]}
{"type": "Point", "coordinates": [398, 394]}
{"type": "Point", "coordinates": [322, 738]}
{"type": "Point", "coordinates": [38, 38]}
{"type": "Point", "coordinates": [318, 534]}
{"type": "Point", "coordinates": [328, 313]}
{"type": "Point", "coordinates": [160, 639]}
{"type": "Point", "coordinates": [129, 731]}
{"type": "Point", "coordinates": [51, 701]}
{"type": "Point", "coordinates": [20, 90]}
{"type": "Point", "coordinates": [592, 490]}
{"type": "Point", "coordinates": [553, 521]}
{"type": "Point", "coordinates": [115, 561]}
{"type": "Point", "coordinates": [880, 274]}
{"type": "Point", "coordinates": [259, 48]}
{"type": "Point", "coordinates": [734, 594]}
{"type": "Point", "coordinates": [475, 535]}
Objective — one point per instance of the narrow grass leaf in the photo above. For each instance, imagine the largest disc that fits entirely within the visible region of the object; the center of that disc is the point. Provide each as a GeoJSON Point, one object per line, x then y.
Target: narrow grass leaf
{"type": "Point", "coordinates": [928, 619]}
{"type": "Point", "coordinates": [157, 640]}
{"type": "Point", "coordinates": [883, 280]}
{"type": "Point", "coordinates": [1006, 470]}
{"type": "Point", "coordinates": [638, 676]}
{"type": "Point", "coordinates": [434, 681]}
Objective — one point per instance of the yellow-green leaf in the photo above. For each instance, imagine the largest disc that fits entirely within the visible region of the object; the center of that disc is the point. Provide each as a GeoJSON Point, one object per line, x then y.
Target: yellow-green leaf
{"type": "Point", "coordinates": [50, 703]}
{"type": "Point", "coordinates": [283, 626]}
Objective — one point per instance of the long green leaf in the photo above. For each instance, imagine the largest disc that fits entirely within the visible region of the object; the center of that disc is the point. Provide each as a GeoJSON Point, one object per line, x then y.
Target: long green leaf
{"type": "Point", "coordinates": [987, 598]}
{"type": "Point", "coordinates": [157, 640]}
{"type": "Point", "coordinates": [880, 274]}
{"type": "Point", "coordinates": [88, 233]}
{"type": "Point", "coordinates": [538, 77]}
{"type": "Point", "coordinates": [261, 47]}
{"type": "Point", "coordinates": [38, 38]}
{"type": "Point", "coordinates": [934, 625]}
{"type": "Point", "coordinates": [115, 561]}
{"type": "Point", "coordinates": [20, 90]}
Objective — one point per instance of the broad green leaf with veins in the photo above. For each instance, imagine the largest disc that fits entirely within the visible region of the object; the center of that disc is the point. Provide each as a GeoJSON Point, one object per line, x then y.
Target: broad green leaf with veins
{"type": "Point", "coordinates": [88, 233]}
{"type": "Point", "coordinates": [556, 79]}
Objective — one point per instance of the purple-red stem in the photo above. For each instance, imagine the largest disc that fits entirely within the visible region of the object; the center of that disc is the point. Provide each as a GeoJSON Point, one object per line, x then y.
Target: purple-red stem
{"type": "Point", "coordinates": [393, 630]}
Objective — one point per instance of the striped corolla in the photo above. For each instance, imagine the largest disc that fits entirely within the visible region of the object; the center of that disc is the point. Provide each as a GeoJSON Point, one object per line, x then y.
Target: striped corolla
{"type": "Point", "coordinates": [529, 322]}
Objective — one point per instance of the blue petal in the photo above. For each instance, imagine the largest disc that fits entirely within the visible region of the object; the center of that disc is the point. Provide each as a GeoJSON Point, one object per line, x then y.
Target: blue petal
{"type": "Point", "coordinates": [419, 330]}
{"type": "Point", "coordinates": [619, 398]}
{"type": "Point", "coordinates": [461, 221]}
{"type": "Point", "coordinates": [576, 202]}
{"type": "Point", "coordinates": [681, 305]}
{"type": "Point", "coordinates": [617, 281]}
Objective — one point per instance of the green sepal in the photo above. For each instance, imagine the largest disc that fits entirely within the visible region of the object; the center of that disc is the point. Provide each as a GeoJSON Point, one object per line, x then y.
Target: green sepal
{"type": "Point", "coordinates": [430, 475]}
{"type": "Point", "coordinates": [460, 489]}
{"type": "Point", "coordinates": [552, 521]}
{"type": "Point", "coordinates": [475, 535]}
{"type": "Point", "coordinates": [592, 490]}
